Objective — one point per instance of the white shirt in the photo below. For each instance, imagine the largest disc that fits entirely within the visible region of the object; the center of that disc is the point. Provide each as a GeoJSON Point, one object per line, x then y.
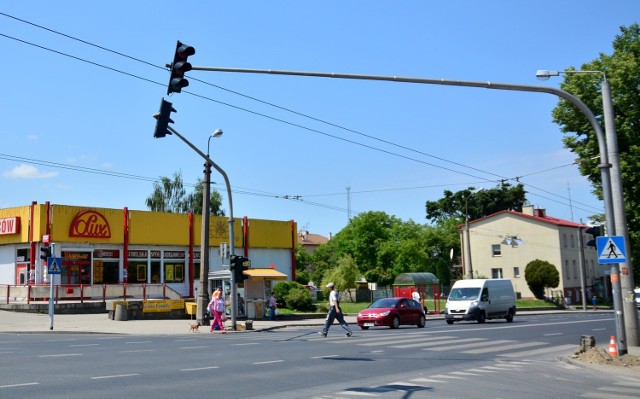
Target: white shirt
{"type": "Point", "coordinates": [415, 296]}
{"type": "Point", "coordinates": [333, 298]}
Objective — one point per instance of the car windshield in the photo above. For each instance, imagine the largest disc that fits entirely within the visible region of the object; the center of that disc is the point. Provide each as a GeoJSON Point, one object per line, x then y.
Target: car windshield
{"type": "Point", "coordinates": [383, 303]}
{"type": "Point", "coordinates": [464, 294]}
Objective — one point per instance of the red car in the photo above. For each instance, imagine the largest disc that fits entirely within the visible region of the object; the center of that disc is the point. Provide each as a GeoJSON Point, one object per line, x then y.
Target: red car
{"type": "Point", "coordinates": [392, 312]}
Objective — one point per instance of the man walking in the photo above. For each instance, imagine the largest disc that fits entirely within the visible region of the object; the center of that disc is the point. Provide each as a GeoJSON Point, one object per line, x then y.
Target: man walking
{"type": "Point", "coordinates": [334, 313]}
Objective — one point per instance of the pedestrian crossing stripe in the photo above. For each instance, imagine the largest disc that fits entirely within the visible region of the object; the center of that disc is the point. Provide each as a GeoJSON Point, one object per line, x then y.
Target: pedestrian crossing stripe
{"type": "Point", "coordinates": [611, 249]}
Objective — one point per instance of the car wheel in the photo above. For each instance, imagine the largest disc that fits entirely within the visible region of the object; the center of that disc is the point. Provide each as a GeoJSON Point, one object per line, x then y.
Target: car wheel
{"type": "Point", "coordinates": [395, 323]}
{"type": "Point", "coordinates": [482, 318]}
{"type": "Point", "coordinates": [509, 316]}
{"type": "Point", "coordinates": [422, 322]}
{"type": "Point", "coordinates": [364, 328]}
{"type": "Point", "coordinates": [449, 321]}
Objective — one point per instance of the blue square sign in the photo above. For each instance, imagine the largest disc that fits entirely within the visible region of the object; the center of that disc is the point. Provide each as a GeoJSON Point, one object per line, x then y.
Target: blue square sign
{"type": "Point", "coordinates": [611, 249]}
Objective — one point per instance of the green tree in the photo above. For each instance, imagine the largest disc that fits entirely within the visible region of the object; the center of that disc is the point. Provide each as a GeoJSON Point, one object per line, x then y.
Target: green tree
{"type": "Point", "coordinates": [474, 205]}
{"type": "Point", "coordinates": [540, 274]}
{"type": "Point", "coordinates": [344, 276]}
{"type": "Point", "coordinates": [169, 195]}
{"type": "Point", "coordinates": [622, 69]}
{"type": "Point", "coordinates": [304, 265]}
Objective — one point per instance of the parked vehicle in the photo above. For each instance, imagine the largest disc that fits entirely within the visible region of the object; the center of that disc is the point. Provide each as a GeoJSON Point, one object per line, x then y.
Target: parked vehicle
{"type": "Point", "coordinates": [481, 300]}
{"type": "Point", "coordinates": [392, 312]}
{"type": "Point", "coordinates": [637, 292]}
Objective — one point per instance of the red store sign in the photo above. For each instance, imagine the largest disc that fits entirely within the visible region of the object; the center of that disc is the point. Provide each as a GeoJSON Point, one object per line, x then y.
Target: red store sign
{"type": "Point", "coordinates": [10, 225]}
{"type": "Point", "coordinates": [90, 224]}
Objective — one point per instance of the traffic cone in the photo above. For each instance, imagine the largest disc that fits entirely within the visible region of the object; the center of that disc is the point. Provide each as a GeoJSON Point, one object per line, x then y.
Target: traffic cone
{"type": "Point", "coordinates": [613, 348]}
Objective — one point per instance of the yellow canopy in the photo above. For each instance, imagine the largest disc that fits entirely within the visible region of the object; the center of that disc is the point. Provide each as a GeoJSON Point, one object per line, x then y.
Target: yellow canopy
{"type": "Point", "coordinates": [265, 274]}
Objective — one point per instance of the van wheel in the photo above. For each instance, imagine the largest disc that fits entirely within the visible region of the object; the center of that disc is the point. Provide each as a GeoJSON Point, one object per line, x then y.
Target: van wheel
{"type": "Point", "coordinates": [482, 318]}
{"type": "Point", "coordinates": [449, 321]}
{"type": "Point", "coordinates": [395, 323]}
{"type": "Point", "coordinates": [422, 322]}
{"type": "Point", "coordinates": [509, 316]}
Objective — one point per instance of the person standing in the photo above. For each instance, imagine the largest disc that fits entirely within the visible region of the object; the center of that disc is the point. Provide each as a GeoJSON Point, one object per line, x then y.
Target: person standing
{"type": "Point", "coordinates": [415, 295]}
{"type": "Point", "coordinates": [334, 313]}
{"type": "Point", "coordinates": [273, 304]}
{"type": "Point", "coordinates": [217, 307]}
{"type": "Point", "coordinates": [594, 302]}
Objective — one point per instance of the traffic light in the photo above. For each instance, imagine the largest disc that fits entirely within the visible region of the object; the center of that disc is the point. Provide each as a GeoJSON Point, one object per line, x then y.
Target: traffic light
{"type": "Point", "coordinates": [46, 253]}
{"type": "Point", "coordinates": [179, 67]}
{"type": "Point", "coordinates": [163, 119]}
{"type": "Point", "coordinates": [595, 231]}
{"type": "Point", "coordinates": [238, 265]}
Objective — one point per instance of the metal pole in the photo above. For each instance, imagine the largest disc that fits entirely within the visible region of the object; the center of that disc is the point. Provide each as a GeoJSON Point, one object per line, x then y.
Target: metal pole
{"type": "Point", "coordinates": [467, 243]}
{"type": "Point", "coordinates": [51, 277]}
{"type": "Point", "coordinates": [203, 294]}
{"type": "Point", "coordinates": [583, 272]}
{"type": "Point", "coordinates": [233, 300]}
{"type": "Point", "coordinates": [604, 165]}
{"type": "Point", "coordinates": [627, 284]}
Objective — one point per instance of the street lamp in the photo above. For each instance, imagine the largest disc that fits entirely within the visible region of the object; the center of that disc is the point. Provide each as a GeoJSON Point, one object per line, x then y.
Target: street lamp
{"type": "Point", "coordinates": [467, 246]}
{"type": "Point", "coordinates": [624, 287]}
{"type": "Point", "coordinates": [203, 296]}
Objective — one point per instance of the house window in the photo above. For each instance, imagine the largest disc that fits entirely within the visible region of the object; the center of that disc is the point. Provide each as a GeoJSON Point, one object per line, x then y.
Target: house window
{"type": "Point", "coordinates": [496, 273]}
{"type": "Point", "coordinates": [496, 250]}
{"type": "Point", "coordinates": [564, 240]}
{"type": "Point", "coordinates": [575, 270]}
{"type": "Point", "coordinates": [573, 241]}
{"type": "Point", "coordinates": [516, 271]}
{"type": "Point", "coordinates": [566, 270]}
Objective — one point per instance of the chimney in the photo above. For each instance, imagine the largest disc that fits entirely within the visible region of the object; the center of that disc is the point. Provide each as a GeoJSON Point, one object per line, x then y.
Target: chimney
{"type": "Point", "coordinates": [541, 213]}
{"type": "Point", "coordinates": [330, 235]}
{"type": "Point", "coordinates": [528, 210]}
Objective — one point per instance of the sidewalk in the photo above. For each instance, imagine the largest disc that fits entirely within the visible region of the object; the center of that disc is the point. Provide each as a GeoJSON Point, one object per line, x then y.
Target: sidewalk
{"type": "Point", "coordinates": [29, 323]}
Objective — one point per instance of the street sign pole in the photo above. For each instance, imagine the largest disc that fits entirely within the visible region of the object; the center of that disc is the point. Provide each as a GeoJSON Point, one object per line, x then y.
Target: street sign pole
{"type": "Point", "coordinates": [51, 277]}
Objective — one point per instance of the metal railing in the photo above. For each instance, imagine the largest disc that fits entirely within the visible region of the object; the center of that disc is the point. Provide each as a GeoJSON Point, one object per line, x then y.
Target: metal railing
{"type": "Point", "coordinates": [87, 292]}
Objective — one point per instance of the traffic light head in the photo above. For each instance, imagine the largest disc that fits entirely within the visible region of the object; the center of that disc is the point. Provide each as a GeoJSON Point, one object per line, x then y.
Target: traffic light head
{"type": "Point", "coordinates": [163, 119]}
{"type": "Point", "coordinates": [595, 231]}
{"type": "Point", "coordinates": [179, 67]}
{"type": "Point", "coordinates": [238, 265]}
{"type": "Point", "coordinates": [46, 253]}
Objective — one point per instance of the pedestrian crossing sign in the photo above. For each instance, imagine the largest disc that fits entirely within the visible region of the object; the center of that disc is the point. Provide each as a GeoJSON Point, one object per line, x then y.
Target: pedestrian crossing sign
{"type": "Point", "coordinates": [611, 249]}
{"type": "Point", "coordinates": [54, 265]}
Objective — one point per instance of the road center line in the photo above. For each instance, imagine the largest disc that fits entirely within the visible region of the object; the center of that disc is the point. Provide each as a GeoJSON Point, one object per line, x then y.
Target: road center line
{"type": "Point", "coordinates": [201, 368]}
{"type": "Point", "coordinates": [114, 376]}
{"type": "Point", "coordinates": [269, 362]}
{"type": "Point", "coordinates": [324, 357]}
{"type": "Point", "coordinates": [62, 355]}
{"type": "Point", "coordinates": [26, 384]}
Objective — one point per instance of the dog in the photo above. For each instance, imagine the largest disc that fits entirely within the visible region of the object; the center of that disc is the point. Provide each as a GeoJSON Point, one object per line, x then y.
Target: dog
{"type": "Point", "coordinates": [194, 327]}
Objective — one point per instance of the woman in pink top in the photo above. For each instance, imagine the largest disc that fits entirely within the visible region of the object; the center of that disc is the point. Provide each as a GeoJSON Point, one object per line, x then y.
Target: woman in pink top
{"type": "Point", "coordinates": [217, 307]}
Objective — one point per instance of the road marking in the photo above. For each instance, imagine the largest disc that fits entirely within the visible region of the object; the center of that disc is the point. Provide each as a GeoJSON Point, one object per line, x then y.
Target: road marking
{"type": "Point", "coordinates": [62, 355]}
{"type": "Point", "coordinates": [539, 351]}
{"type": "Point", "coordinates": [114, 376]}
{"type": "Point", "coordinates": [324, 357]}
{"type": "Point", "coordinates": [137, 342]}
{"type": "Point", "coordinates": [246, 343]}
{"type": "Point", "coordinates": [138, 350]}
{"type": "Point", "coordinates": [398, 340]}
{"type": "Point", "coordinates": [26, 384]}
{"type": "Point", "coordinates": [451, 377]}
{"type": "Point", "coordinates": [504, 348]}
{"type": "Point", "coordinates": [355, 393]}
{"type": "Point", "coordinates": [194, 347]}
{"type": "Point", "coordinates": [201, 368]}
{"type": "Point", "coordinates": [551, 335]}
{"type": "Point", "coordinates": [438, 342]}
{"type": "Point", "coordinates": [427, 380]}
{"type": "Point", "coordinates": [269, 362]}
{"type": "Point", "coordinates": [471, 345]}
{"type": "Point", "coordinates": [481, 371]}
{"type": "Point", "coordinates": [80, 345]}
{"type": "Point", "coordinates": [463, 373]}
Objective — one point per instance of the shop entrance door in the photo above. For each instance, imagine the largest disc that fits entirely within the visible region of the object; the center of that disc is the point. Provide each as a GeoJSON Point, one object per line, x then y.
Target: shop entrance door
{"type": "Point", "coordinates": [76, 268]}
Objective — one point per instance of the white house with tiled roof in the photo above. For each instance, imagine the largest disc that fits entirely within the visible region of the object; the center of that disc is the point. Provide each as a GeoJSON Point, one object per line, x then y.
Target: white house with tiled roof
{"type": "Point", "coordinates": [502, 244]}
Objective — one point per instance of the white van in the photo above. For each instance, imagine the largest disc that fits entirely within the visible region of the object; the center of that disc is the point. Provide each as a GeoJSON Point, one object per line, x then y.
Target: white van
{"type": "Point", "coordinates": [481, 299]}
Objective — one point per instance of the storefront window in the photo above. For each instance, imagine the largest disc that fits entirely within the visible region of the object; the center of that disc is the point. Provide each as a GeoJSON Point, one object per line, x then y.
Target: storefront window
{"type": "Point", "coordinates": [106, 266]}
{"type": "Point", "coordinates": [174, 266]}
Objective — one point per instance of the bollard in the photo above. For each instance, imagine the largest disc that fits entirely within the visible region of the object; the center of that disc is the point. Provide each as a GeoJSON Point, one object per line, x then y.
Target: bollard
{"type": "Point", "coordinates": [248, 325]}
{"type": "Point", "coordinates": [587, 342]}
{"type": "Point", "coordinates": [121, 313]}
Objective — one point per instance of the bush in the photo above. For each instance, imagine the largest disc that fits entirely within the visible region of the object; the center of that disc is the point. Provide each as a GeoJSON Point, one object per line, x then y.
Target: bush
{"type": "Point", "coordinates": [293, 295]}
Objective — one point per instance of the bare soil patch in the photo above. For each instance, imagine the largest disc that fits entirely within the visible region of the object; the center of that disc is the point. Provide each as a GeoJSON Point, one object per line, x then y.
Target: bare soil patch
{"type": "Point", "coordinates": [602, 357]}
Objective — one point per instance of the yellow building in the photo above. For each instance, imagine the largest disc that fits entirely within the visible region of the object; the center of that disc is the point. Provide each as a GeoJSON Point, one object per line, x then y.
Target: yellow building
{"type": "Point", "coordinates": [115, 246]}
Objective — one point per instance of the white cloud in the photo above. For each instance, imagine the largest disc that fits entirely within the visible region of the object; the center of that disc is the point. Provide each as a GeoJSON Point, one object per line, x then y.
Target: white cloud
{"type": "Point", "coordinates": [28, 172]}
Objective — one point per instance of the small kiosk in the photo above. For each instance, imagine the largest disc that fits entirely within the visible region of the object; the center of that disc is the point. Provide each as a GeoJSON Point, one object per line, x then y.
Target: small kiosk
{"type": "Point", "coordinates": [427, 284]}
{"type": "Point", "coordinates": [255, 292]}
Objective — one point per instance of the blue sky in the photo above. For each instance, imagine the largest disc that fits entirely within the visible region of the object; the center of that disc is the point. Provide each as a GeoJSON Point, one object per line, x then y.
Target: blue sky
{"type": "Point", "coordinates": [395, 145]}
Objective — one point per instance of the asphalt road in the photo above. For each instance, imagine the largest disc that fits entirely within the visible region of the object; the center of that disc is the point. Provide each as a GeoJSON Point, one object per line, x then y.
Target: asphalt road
{"type": "Point", "coordinates": [493, 360]}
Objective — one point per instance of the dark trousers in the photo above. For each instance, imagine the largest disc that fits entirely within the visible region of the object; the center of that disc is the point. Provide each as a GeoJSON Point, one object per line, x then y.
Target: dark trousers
{"type": "Point", "coordinates": [331, 316]}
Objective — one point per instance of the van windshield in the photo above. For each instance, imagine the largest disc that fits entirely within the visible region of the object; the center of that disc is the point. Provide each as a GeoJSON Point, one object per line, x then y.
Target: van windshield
{"type": "Point", "coordinates": [464, 294]}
